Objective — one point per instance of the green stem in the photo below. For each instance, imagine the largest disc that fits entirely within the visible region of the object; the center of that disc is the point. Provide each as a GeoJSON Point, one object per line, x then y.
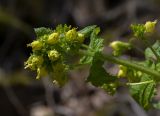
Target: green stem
{"type": "Point", "coordinates": [140, 83]}
{"type": "Point", "coordinates": [155, 74]}
{"type": "Point", "coordinates": [85, 46]}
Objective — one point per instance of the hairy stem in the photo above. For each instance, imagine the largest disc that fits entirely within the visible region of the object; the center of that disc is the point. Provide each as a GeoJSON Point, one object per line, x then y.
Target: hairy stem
{"type": "Point", "coordinates": [155, 74]}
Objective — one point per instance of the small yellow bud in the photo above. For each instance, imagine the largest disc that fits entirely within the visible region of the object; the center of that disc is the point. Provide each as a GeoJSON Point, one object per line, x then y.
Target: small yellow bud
{"type": "Point", "coordinates": [71, 35]}
{"type": "Point", "coordinates": [33, 62]}
{"type": "Point", "coordinates": [41, 72]}
{"type": "Point", "coordinates": [36, 45]}
{"type": "Point", "coordinates": [53, 55]}
{"type": "Point", "coordinates": [80, 37]}
{"type": "Point", "coordinates": [122, 71]}
{"type": "Point", "coordinates": [119, 47]}
{"type": "Point", "coordinates": [53, 38]}
{"type": "Point", "coordinates": [150, 26]}
{"type": "Point", "coordinates": [115, 45]}
{"type": "Point", "coordinates": [37, 60]}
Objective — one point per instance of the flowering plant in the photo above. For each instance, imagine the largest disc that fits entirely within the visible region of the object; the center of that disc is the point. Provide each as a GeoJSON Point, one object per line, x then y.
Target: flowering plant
{"type": "Point", "coordinates": [53, 52]}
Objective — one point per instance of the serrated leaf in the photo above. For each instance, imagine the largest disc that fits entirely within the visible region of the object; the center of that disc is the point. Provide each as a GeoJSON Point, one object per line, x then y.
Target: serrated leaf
{"type": "Point", "coordinates": [143, 93]}
{"type": "Point", "coordinates": [96, 43]}
{"type": "Point", "coordinates": [42, 31]}
{"type": "Point", "coordinates": [95, 46]}
{"type": "Point", "coordinates": [87, 30]}
{"type": "Point", "coordinates": [98, 75]}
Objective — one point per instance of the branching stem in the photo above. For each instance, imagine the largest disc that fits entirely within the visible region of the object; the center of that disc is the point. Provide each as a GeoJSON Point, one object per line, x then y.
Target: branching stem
{"type": "Point", "coordinates": [155, 74]}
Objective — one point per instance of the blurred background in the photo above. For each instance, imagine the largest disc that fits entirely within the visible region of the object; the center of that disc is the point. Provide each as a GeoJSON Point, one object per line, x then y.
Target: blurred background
{"type": "Point", "coordinates": [20, 93]}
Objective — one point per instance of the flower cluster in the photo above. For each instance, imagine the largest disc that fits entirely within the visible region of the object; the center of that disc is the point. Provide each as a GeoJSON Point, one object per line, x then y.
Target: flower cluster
{"type": "Point", "coordinates": [51, 50]}
{"type": "Point", "coordinates": [140, 30]}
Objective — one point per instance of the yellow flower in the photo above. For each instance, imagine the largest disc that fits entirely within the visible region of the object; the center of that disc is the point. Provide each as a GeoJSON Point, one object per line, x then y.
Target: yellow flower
{"type": "Point", "coordinates": [36, 45]}
{"type": "Point", "coordinates": [38, 60]}
{"type": "Point", "coordinates": [53, 55]}
{"type": "Point", "coordinates": [53, 38]}
{"type": "Point", "coordinates": [28, 63]}
{"type": "Point", "coordinates": [41, 72]}
{"type": "Point", "coordinates": [71, 35]}
{"type": "Point", "coordinates": [33, 62]}
{"type": "Point", "coordinates": [150, 26]}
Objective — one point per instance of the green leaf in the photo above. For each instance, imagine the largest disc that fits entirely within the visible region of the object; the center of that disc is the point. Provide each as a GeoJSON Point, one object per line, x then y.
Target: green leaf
{"type": "Point", "coordinates": [95, 46]}
{"type": "Point", "coordinates": [148, 52]}
{"type": "Point", "coordinates": [143, 93]}
{"type": "Point", "coordinates": [96, 43]}
{"type": "Point", "coordinates": [87, 30]}
{"type": "Point", "coordinates": [42, 31]}
{"type": "Point", "coordinates": [98, 75]}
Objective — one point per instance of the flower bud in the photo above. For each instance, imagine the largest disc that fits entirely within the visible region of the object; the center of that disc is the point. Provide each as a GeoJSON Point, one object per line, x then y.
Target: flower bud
{"type": "Point", "coordinates": [71, 35]}
{"type": "Point", "coordinates": [150, 26]}
{"type": "Point", "coordinates": [53, 38]}
{"type": "Point", "coordinates": [36, 45]}
{"type": "Point", "coordinates": [53, 55]}
{"type": "Point", "coordinates": [80, 37]}
{"type": "Point", "coordinates": [122, 71]}
{"type": "Point", "coordinates": [119, 47]}
{"type": "Point", "coordinates": [41, 72]}
{"type": "Point", "coordinates": [33, 62]}
{"type": "Point", "coordinates": [37, 60]}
